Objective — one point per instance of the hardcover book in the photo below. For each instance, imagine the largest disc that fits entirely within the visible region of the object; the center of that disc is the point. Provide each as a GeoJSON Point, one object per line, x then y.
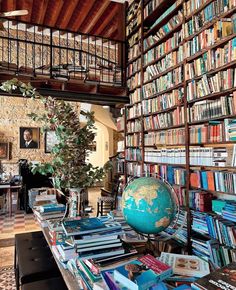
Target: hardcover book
{"type": "Point", "coordinates": [101, 253]}
{"type": "Point", "coordinates": [224, 278]}
{"type": "Point", "coordinates": [142, 273]}
{"type": "Point", "coordinates": [186, 265]}
{"type": "Point", "coordinates": [87, 225]}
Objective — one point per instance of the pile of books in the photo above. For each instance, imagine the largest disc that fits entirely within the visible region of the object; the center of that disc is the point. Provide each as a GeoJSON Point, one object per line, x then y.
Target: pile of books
{"type": "Point", "coordinates": [49, 211]}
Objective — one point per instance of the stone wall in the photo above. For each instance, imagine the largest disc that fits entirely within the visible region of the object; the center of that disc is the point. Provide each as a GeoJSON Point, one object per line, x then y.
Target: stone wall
{"type": "Point", "coordinates": [13, 115]}
{"type": "Point", "coordinates": [39, 54]}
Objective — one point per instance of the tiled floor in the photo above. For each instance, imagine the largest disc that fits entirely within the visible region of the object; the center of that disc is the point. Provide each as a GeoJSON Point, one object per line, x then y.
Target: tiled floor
{"type": "Point", "coordinates": [20, 222]}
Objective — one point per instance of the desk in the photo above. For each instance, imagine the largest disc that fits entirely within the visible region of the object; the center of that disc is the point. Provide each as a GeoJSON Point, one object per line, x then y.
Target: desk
{"type": "Point", "coordinates": [10, 189]}
{"type": "Point", "coordinates": [70, 280]}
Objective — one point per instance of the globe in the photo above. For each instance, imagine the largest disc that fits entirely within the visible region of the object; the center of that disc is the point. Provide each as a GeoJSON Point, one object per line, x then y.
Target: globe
{"type": "Point", "coordinates": [148, 205]}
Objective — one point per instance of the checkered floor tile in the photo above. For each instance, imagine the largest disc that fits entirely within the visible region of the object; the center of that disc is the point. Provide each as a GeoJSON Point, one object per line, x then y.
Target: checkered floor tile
{"type": "Point", "coordinates": [18, 222]}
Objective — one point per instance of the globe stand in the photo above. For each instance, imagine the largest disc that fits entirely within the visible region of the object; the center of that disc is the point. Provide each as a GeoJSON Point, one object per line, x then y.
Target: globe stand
{"type": "Point", "coordinates": [150, 247]}
{"type": "Point", "coordinates": [155, 238]}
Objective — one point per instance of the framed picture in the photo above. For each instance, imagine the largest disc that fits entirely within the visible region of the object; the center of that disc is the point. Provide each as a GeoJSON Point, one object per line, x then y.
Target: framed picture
{"type": "Point", "coordinates": [29, 138]}
{"type": "Point", "coordinates": [50, 141]}
{"type": "Point", "coordinates": [4, 150]}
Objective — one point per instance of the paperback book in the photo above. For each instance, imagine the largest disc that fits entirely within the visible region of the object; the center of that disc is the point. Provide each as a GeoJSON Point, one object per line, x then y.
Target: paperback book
{"type": "Point", "coordinates": [185, 265]}
{"type": "Point", "coordinates": [142, 273]}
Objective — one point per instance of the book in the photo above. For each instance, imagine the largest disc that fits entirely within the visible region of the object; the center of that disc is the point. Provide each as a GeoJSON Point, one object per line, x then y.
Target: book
{"type": "Point", "coordinates": [101, 253]}
{"type": "Point", "coordinates": [142, 273]}
{"type": "Point", "coordinates": [110, 282]}
{"type": "Point", "coordinates": [55, 224]}
{"type": "Point", "coordinates": [133, 237]}
{"type": "Point", "coordinates": [88, 225]}
{"type": "Point", "coordinates": [159, 286]}
{"type": "Point", "coordinates": [96, 237]}
{"type": "Point", "coordinates": [95, 244]}
{"type": "Point", "coordinates": [183, 287]}
{"type": "Point", "coordinates": [186, 265]}
{"type": "Point", "coordinates": [224, 278]}
{"type": "Point", "coordinates": [47, 208]}
{"type": "Point", "coordinates": [98, 247]}
{"type": "Point", "coordinates": [129, 252]}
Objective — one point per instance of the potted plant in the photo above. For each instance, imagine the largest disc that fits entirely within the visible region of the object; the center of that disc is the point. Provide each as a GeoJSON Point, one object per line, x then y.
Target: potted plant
{"type": "Point", "coordinates": [68, 166]}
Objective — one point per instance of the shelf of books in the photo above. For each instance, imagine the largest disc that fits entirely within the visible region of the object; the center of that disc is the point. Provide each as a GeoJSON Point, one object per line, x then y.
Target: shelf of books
{"type": "Point", "coordinates": [133, 112]}
{"type": "Point", "coordinates": [181, 120]}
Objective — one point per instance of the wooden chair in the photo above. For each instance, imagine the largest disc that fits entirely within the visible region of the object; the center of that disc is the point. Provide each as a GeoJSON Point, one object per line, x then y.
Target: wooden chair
{"type": "Point", "coordinates": [107, 201]}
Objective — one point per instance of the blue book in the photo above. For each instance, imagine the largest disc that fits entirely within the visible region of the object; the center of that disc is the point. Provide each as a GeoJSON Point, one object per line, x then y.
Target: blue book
{"type": "Point", "coordinates": [183, 287]}
{"type": "Point", "coordinates": [52, 207]}
{"type": "Point", "coordinates": [159, 286]}
{"type": "Point", "coordinates": [204, 180]}
{"type": "Point", "coordinates": [88, 225]}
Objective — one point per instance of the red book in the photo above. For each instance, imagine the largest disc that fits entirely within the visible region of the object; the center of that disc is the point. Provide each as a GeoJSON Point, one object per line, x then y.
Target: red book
{"type": "Point", "coordinates": [210, 180]}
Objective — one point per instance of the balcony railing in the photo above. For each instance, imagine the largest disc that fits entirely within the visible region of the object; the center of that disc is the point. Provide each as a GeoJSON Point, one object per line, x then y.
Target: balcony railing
{"type": "Point", "coordinates": [42, 52]}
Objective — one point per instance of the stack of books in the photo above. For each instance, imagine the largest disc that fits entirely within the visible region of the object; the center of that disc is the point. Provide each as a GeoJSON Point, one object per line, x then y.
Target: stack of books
{"type": "Point", "coordinates": [94, 237]}
{"type": "Point", "coordinates": [49, 211]}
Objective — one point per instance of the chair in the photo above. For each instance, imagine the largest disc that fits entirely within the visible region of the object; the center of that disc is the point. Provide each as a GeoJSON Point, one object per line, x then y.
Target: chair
{"type": "Point", "coordinates": [107, 201]}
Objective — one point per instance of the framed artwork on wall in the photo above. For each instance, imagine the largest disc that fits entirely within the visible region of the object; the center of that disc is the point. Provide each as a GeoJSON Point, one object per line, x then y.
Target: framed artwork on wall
{"type": "Point", "coordinates": [50, 140]}
{"type": "Point", "coordinates": [4, 150]}
{"type": "Point", "coordinates": [29, 138]}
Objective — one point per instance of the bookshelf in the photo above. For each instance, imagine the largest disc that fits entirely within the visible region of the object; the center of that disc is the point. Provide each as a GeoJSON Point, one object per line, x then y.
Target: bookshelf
{"type": "Point", "coordinates": [181, 120]}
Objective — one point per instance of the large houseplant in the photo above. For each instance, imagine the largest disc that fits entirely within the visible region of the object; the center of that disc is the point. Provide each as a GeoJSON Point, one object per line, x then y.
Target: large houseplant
{"type": "Point", "coordinates": [68, 167]}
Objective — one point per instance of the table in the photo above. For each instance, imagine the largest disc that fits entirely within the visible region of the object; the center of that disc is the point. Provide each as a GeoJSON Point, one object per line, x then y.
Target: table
{"type": "Point", "coordinates": [70, 280]}
{"type": "Point", "coordinates": [10, 189]}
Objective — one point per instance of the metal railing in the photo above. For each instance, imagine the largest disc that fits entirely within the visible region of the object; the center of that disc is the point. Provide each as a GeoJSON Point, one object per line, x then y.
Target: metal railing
{"type": "Point", "coordinates": [45, 52]}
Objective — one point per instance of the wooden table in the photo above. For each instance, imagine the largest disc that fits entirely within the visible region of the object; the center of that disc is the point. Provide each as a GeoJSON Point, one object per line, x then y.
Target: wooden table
{"type": "Point", "coordinates": [71, 282]}
{"type": "Point", "coordinates": [10, 189]}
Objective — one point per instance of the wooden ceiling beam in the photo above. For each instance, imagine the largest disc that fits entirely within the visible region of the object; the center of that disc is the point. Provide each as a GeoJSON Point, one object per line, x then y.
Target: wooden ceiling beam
{"type": "Point", "coordinates": [53, 13]}
{"type": "Point", "coordinates": [112, 12]}
{"type": "Point", "coordinates": [80, 18]}
{"type": "Point", "coordinates": [75, 16]}
{"type": "Point", "coordinates": [39, 11]}
{"type": "Point", "coordinates": [8, 5]}
{"type": "Point", "coordinates": [25, 5]}
{"type": "Point", "coordinates": [114, 34]}
{"type": "Point", "coordinates": [113, 31]}
{"type": "Point", "coordinates": [66, 14]}
{"type": "Point", "coordinates": [90, 23]}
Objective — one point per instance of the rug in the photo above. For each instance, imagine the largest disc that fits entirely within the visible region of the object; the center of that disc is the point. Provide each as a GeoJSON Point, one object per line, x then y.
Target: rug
{"type": "Point", "coordinates": [7, 278]}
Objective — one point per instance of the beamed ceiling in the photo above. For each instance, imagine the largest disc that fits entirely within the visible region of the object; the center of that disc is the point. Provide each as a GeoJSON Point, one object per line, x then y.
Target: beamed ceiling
{"type": "Point", "coordinates": [98, 17]}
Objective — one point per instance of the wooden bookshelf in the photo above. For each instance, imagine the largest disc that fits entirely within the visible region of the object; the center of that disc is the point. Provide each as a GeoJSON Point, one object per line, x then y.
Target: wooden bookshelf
{"type": "Point", "coordinates": [194, 45]}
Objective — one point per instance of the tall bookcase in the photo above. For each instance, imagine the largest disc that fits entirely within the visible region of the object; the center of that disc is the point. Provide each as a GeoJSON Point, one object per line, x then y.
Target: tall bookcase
{"type": "Point", "coordinates": [181, 120]}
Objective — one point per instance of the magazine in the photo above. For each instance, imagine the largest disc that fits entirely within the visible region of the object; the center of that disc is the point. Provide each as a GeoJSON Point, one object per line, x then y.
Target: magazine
{"type": "Point", "coordinates": [185, 265]}
{"type": "Point", "coordinates": [224, 278]}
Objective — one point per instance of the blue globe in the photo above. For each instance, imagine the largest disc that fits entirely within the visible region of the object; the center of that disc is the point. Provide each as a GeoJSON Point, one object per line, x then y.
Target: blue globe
{"type": "Point", "coordinates": [148, 205]}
